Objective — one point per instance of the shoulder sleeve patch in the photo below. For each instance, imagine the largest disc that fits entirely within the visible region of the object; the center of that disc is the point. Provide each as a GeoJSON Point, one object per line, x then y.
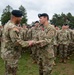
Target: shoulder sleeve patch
{"type": "Point", "coordinates": [16, 29]}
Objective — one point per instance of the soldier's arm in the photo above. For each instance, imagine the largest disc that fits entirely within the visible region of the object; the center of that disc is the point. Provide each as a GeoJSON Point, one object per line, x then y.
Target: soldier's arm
{"type": "Point", "coordinates": [69, 36]}
{"type": "Point", "coordinates": [16, 39]}
{"type": "Point", "coordinates": [48, 38]}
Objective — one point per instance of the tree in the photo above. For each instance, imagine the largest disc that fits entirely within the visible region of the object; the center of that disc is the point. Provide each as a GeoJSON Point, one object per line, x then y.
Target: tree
{"type": "Point", "coordinates": [6, 14]}
{"type": "Point", "coordinates": [60, 19]}
{"type": "Point", "coordinates": [24, 18]}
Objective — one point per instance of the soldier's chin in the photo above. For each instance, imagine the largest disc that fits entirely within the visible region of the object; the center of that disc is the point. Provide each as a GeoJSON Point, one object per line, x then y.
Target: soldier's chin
{"type": "Point", "coordinates": [17, 22]}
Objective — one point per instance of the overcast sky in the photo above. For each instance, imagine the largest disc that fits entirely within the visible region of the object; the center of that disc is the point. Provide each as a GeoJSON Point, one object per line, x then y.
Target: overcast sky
{"type": "Point", "coordinates": [34, 7]}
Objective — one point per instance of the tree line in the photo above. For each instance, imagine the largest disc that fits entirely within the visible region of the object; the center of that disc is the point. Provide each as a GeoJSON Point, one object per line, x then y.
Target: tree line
{"type": "Point", "coordinates": [60, 19]}
{"type": "Point", "coordinates": [6, 14]}
{"type": "Point", "coordinates": [57, 19]}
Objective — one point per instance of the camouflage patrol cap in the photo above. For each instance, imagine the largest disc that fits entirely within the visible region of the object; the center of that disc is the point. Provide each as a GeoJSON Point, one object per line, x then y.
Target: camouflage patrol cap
{"type": "Point", "coordinates": [43, 14]}
{"type": "Point", "coordinates": [17, 13]}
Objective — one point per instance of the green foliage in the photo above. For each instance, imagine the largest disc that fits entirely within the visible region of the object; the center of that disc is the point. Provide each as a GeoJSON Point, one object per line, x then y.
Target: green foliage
{"type": "Point", "coordinates": [60, 19]}
{"type": "Point", "coordinates": [24, 18]}
{"type": "Point", "coordinates": [6, 14]}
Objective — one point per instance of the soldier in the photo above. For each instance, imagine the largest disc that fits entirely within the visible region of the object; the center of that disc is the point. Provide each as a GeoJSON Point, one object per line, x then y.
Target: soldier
{"type": "Point", "coordinates": [47, 53]}
{"type": "Point", "coordinates": [11, 42]}
{"type": "Point", "coordinates": [70, 43]}
{"type": "Point", "coordinates": [63, 41]}
{"type": "Point", "coordinates": [33, 35]}
{"type": "Point", "coordinates": [23, 34]}
{"type": "Point", "coordinates": [55, 45]}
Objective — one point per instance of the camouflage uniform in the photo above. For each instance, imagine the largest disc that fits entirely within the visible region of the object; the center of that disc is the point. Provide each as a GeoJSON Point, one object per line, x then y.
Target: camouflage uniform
{"type": "Point", "coordinates": [63, 41]}
{"type": "Point", "coordinates": [46, 52]}
{"type": "Point", "coordinates": [55, 44]}
{"type": "Point", "coordinates": [72, 43]}
{"type": "Point", "coordinates": [23, 35]}
{"type": "Point", "coordinates": [10, 47]}
{"type": "Point", "coordinates": [33, 35]}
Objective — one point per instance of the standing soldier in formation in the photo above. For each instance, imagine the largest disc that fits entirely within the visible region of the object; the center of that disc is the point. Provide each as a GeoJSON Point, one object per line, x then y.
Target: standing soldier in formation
{"type": "Point", "coordinates": [70, 43]}
{"type": "Point", "coordinates": [47, 53]}
{"type": "Point", "coordinates": [23, 32]}
{"type": "Point", "coordinates": [71, 50]}
{"type": "Point", "coordinates": [33, 35]}
{"type": "Point", "coordinates": [55, 45]}
{"type": "Point", "coordinates": [24, 36]}
{"type": "Point", "coordinates": [11, 42]}
{"type": "Point", "coordinates": [63, 41]}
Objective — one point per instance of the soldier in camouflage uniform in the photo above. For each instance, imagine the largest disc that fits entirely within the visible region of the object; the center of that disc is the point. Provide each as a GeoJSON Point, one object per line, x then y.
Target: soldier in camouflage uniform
{"type": "Point", "coordinates": [63, 41]}
{"type": "Point", "coordinates": [23, 35]}
{"type": "Point", "coordinates": [11, 42]}
{"type": "Point", "coordinates": [56, 45]}
{"type": "Point", "coordinates": [71, 50]}
{"type": "Point", "coordinates": [23, 32]}
{"type": "Point", "coordinates": [33, 35]}
{"type": "Point", "coordinates": [47, 53]}
{"type": "Point", "coordinates": [70, 43]}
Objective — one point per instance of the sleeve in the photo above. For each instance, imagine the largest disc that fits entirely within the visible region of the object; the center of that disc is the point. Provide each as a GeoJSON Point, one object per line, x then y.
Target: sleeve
{"type": "Point", "coordinates": [21, 35]}
{"type": "Point", "coordinates": [16, 39]}
{"type": "Point", "coordinates": [69, 36]}
{"type": "Point", "coordinates": [49, 37]}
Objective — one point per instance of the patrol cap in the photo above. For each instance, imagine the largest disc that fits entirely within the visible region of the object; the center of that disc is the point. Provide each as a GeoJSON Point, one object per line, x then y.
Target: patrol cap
{"type": "Point", "coordinates": [43, 14]}
{"type": "Point", "coordinates": [17, 13]}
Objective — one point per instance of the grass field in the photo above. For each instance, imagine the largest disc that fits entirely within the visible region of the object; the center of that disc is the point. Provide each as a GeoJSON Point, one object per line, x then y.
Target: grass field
{"type": "Point", "coordinates": [26, 67]}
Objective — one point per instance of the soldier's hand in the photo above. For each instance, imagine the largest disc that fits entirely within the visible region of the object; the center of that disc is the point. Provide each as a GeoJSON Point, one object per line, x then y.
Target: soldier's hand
{"type": "Point", "coordinates": [31, 42]}
{"type": "Point", "coordinates": [41, 43]}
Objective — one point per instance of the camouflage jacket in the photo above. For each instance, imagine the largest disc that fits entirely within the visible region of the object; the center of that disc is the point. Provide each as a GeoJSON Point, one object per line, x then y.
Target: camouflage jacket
{"type": "Point", "coordinates": [11, 41]}
{"type": "Point", "coordinates": [23, 34]}
{"type": "Point", "coordinates": [64, 37]}
{"type": "Point", "coordinates": [33, 33]}
{"type": "Point", "coordinates": [49, 35]}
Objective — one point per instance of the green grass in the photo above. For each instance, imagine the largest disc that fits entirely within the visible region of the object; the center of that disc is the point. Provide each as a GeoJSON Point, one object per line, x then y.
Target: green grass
{"type": "Point", "coordinates": [26, 67]}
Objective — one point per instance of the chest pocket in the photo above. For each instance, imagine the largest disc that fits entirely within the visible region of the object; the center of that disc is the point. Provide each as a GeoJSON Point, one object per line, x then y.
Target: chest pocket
{"type": "Point", "coordinates": [63, 36]}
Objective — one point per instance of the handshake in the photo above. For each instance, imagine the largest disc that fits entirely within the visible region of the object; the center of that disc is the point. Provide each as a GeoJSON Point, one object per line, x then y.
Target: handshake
{"type": "Point", "coordinates": [32, 42]}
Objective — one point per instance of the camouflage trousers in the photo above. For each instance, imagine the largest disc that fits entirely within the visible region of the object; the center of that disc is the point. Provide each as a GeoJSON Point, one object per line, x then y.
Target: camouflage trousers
{"type": "Point", "coordinates": [71, 49]}
{"type": "Point", "coordinates": [45, 66]}
{"type": "Point", "coordinates": [63, 51]}
{"type": "Point", "coordinates": [9, 70]}
{"type": "Point", "coordinates": [55, 50]}
{"type": "Point", "coordinates": [34, 53]}
{"type": "Point", "coordinates": [11, 63]}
